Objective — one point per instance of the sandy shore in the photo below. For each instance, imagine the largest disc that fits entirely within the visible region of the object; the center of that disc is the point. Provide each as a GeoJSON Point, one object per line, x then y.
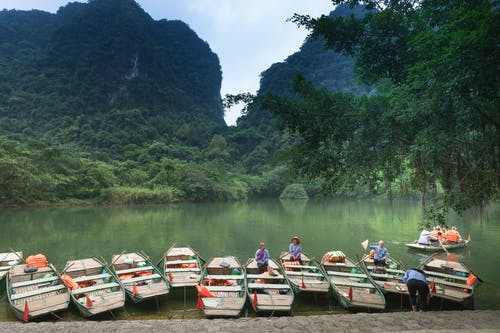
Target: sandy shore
{"type": "Point", "coordinates": [443, 322]}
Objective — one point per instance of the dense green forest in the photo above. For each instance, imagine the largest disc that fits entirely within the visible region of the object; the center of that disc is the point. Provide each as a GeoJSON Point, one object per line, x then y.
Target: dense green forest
{"type": "Point", "coordinates": [433, 121]}
{"type": "Point", "coordinates": [100, 103]}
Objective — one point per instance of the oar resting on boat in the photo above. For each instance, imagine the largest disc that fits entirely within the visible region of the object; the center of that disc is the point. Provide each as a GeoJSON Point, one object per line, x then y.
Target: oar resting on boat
{"type": "Point", "coordinates": [222, 290]}
{"type": "Point", "coordinates": [94, 289]}
{"type": "Point", "coordinates": [182, 266]}
{"type": "Point", "coordinates": [140, 278]}
{"type": "Point", "coordinates": [269, 291]}
{"type": "Point", "coordinates": [304, 276]}
{"type": "Point", "coordinates": [35, 289]}
{"type": "Point", "coordinates": [353, 287]}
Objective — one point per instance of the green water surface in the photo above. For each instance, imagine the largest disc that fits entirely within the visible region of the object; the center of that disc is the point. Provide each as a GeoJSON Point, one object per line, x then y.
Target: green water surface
{"type": "Point", "coordinates": [216, 229]}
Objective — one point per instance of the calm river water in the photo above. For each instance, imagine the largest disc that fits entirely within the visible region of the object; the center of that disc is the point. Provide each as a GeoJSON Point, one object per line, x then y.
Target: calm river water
{"type": "Point", "coordinates": [216, 229]}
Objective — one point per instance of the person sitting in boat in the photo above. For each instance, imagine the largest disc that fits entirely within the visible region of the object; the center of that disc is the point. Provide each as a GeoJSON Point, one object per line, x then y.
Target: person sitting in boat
{"type": "Point", "coordinates": [437, 233]}
{"type": "Point", "coordinates": [380, 257]}
{"type": "Point", "coordinates": [295, 249]}
{"type": "Point", "coordinates": [452, 236]}
{"type": "Point", "coordinates": [415, 281]}
{"type": "Point", "coordinates": [426, 238]}
{"type": "Point", "coordinates": [262, 258]}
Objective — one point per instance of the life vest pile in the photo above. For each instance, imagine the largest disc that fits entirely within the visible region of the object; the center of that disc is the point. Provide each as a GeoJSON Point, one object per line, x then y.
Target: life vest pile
{"type": "Point", "coordinates": [69, 282]}
{"type": "Point", "coordinates": [38, 260]}
{"type": "Point", "coordinates": [334, 256]}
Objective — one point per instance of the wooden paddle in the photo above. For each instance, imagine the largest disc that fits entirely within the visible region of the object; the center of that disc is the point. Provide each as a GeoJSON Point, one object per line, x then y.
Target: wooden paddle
{"type": "Point", "coordinates": [444, 248]}
{"type": "Point", "coordinates": [66, 268]}
{"type": "Point", "coordinates": [17, 255]}
{"type": "Point", "coordinates": [116, 259]}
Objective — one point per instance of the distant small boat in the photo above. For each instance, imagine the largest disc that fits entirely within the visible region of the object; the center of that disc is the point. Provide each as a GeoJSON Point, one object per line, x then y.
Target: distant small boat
{"type": "Point", "coordinates": [268, 292]}
{"type": "Point", "coordinates": [140, 278]}
{"type": "Point", "coordinates": [453, 280]}
{"type": "Point", "coordinates": [353, 288]}
{"type": "Point", "coordinates": [35, 293]}
{"type": "Point", "coordinates": [436, 246]}
{"type": "Point", "coordinates": [182, 267]}
{"type": "Point", "coordinates": [389, 277]}
{"type": "Point", "coordinates": [305, 277]}
{"type": "Point", "coordinates": [224, 278]}
{"type": "Point", "coordinates": [99, 291]}
{"type": "Point", "coordinates": [7, 260]}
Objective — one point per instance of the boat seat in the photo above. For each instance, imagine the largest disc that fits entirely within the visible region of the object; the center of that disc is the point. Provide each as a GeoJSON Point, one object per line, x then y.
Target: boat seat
{"type": "Point", "coordinates": [444, 275]}
{"type": "Point", "coordinates": [300, 266]}
{"type": "Point", "coordinates": [177, 270]}
{"type": "Point", "coordinates": [5, 268]}
{"type": "Point", "coordinates": [141, 278]}
{"type": "Point", "coordinates": [450, 284]}
{"type": "Point", "coordinates": [267, 286]}
{"type": "Point", "coordinates": [347, 274]}
{"type": "Point", "coordinates": [383, 276]}
{"type": "Point", "coordinates": [177, 262]}
{"type": "Point", "coordinates": [225, 277]}
{"type": "Point", "coordinates": [224, 288]}
{"type": "Point", "coordinates": [133, 270]}
{"type": "Point", "coordinates": [94, 288]}
{"type": "Point", "coordinates": [353, 284]}
{"type": "Point", "coordinates": [37, 292]}
{"type": "Point", "coordinates": [92, 277]}
{"type": "Point", "coordinates": [32, 282]}
{"type": "Point", "coordinates": [260, 276]}
{"type": "Point", "coordinates": [303, 273]}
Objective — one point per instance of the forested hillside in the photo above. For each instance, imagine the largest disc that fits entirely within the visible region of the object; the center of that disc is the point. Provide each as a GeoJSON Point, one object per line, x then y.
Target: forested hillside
{"type": "Point", "coordinates": [104, 75]}
{"type": "Point", "coordinates": [101, 103]}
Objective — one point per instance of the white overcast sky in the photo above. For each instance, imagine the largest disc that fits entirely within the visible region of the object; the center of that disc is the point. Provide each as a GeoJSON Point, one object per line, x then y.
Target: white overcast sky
{"type": "Point", "coordinates": [247, 35]}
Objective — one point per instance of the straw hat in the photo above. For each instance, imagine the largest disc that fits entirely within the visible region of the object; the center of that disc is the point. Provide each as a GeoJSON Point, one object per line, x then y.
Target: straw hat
{"type": "Point", "coordinates": [296, 238]}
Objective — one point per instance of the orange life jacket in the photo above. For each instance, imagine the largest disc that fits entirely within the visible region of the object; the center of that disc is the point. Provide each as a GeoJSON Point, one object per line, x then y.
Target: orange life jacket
{"type": "Point", "coordinates": [471, 279]}
{"type": "Point", "coordinates": [203, 291]}
{"type": "Point", "coordinates": [37, 260]}
{"type": "Point", "coordinates": [69, 282]}
{"type": "Point", "coordinates": [452, 236]}
{"type": "Point", "coordinates": [188, 265]}
{"type": "Point", "coordinates": [126, 276]}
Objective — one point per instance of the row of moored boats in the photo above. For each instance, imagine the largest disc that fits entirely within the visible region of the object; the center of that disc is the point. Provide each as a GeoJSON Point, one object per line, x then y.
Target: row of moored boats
{"type": "Point", "coordinates": [36, 288]}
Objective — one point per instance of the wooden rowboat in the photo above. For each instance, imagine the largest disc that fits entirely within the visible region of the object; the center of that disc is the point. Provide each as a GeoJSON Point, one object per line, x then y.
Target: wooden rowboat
{"type": "Point", "coordinates": [140, 278]}
{"type": "Point", "coordinates": [36, 294]}
{"type": "Point", "coordinates": [453, 280]}
{"type": "Point", "coordinates": [389, 277]}
{"type": "Point", "coordinates": [436, 246]}
{"type": "Point", "coordinates": [182, 266]}
{"type": "Point", "coordinates": [305, 277]}
{"type": "Point", "coordinates": [7, 260]}
{"type": "Point", "coordinates": [268, 292]}
{"type": "Point", "coordinates": [225, 279]}
{"type": "Point", "coordinates": [353, 287]}
{"type": "Point", "coordinates": [100, 290]}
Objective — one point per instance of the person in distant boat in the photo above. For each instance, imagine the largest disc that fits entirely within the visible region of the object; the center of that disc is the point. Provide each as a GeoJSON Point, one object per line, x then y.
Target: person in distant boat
{"type": "Point", "coordinates": [295, 249]}
{"type": "Point", "coordinates": [415, 281]}
{"type": "Point", "coordinates": [452, 236]}
{"type": "Point", "coordinates": [437, 233]}
{"type": "Point", "coordinates": [262, 258]}
{"type": "Point", "coordinates": [426, 238]}
{"type": "Point", "coordinates": [380, 257]}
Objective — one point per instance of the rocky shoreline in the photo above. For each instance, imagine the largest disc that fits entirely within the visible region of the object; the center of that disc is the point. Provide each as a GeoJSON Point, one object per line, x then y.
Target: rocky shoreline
{"type": "Point", "coordinates": [446, 321]}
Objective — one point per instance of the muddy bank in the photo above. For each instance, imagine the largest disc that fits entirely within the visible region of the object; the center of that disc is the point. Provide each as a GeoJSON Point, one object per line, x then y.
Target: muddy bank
{"type": "Point", "coordinates": [446, 321]}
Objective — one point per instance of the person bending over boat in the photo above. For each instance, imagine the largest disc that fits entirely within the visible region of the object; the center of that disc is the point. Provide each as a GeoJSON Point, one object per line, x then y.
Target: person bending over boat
{"type": "Point", "coordinates": [452, 236]}
{"type": "Point", "coordinates": [380, 257]}
{"type": "Point", "coordinates": [262, 258]}
{"type": "Point", "coordinates": [415, 281]}
{"type": "Point", "coordinates": [295, 249]}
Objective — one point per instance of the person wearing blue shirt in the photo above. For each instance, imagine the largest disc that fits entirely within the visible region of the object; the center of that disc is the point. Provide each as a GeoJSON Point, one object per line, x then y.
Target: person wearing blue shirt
{"type": "Point", "coordinates": [415, 281]}
{"type": "Point", "coordinates": [380, 257]}
{"type": "Point", "coordinates": [295, 249]}
{"type": "Point", "coordinates": [262, 257]}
